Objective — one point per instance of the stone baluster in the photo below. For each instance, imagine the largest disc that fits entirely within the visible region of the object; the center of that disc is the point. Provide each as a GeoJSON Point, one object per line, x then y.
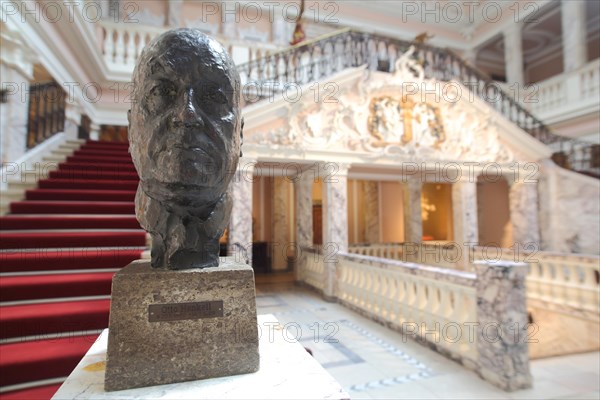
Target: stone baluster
{"type": "Point", "coordinates": [72, 120]}
{"type": "Point", "coordinates": [94, 131]}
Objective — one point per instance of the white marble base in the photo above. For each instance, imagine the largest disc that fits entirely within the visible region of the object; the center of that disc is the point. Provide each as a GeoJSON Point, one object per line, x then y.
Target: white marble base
{"type": "Point", "coordinates": [286, 371]}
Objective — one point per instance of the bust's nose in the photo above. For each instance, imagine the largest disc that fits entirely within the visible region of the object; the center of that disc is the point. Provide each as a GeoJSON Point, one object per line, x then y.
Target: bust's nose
{"type": "Point", "coordinates": [188, 113]}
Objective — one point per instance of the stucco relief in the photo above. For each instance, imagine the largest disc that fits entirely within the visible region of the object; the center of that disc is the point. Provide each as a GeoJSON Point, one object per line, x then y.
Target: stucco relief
{"type": "Point", "coordinates": [377, 117]}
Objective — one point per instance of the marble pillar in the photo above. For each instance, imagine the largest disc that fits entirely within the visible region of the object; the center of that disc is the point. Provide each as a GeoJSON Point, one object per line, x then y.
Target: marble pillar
{"type": "Point", "coordinates": [72, 120]}
{"type": "Point", "coordinates": [335, 223]}
{"type": "Point", "coordinates": [281, 223]}
{"type": "Point", "coordinates": [523, 202]}
{"type": "Point", "coordinates": [413, 221]}
{"type": "Point", "coordinates": [239, 236]}
{"type": "Point", "coordinates": [16, 69]}
{"type": "Point", "coordinates": [502, 330]}
{"type": "Point", "coordinates": [513, 54]}
{"type": "Point", "coordinates": [174, 13]}
{"type": "Point", "coordinates": [371, 191]}
{"type": "Point", "coordinates": [464, 217]}
{"type": "Point", "coordinates": [303, 188]}
{"type": "Point", "coordinates": [573, 34]}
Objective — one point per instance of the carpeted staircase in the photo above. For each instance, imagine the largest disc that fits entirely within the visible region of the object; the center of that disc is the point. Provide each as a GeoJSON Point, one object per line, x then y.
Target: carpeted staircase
{"type": "Point", "coordinates": [59, 248]}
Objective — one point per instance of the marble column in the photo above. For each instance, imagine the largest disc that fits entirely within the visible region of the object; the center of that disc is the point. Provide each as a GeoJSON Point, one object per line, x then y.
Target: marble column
{"type": "Point", "coordinates": [303, 188]}
{"type": "Point", "coordinates": [502, 330]}
{"type": "Point", "coordinates": [335, 223]}
{"type": "Point", "coordinates": [513, 54]}
{"type": "Point", "coordinates": [281, 223]}
{"type": "Point", "coordinates": [239, 236]}
{"type": "Point", "coordinates": [72, 120]}
{"type": "Point", "coordinates": [523, 202]}
{"type": "Point", "coordinates": [464, 217]}
{"type": "Point", "coordinates": [16, 69]}
{"type": "Point", "coordinates": [413, 220]}
{"type": "Point", "coordinates": [174, 13]}
{"type": "Point", "coordinates": [371, 191]}
{"type": "Point", "coordinates": [573, 34]}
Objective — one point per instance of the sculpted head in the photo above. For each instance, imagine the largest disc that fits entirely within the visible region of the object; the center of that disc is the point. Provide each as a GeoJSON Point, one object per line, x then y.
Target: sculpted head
{"type": "Point", "coordinates": [185, 121]}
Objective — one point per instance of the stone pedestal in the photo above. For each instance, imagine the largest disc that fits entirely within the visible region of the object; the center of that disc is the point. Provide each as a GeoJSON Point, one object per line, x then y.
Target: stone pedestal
{"type": "Point", "coordinates": [173, 326]}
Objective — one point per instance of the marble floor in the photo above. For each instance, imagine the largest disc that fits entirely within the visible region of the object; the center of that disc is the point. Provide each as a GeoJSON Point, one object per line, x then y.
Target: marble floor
{"type": "Point", "coordinates": [373, 362]}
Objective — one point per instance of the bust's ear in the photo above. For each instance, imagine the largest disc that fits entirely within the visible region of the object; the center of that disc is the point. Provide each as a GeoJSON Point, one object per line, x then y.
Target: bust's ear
{"type": "Point", "coordinates": [241, 136]}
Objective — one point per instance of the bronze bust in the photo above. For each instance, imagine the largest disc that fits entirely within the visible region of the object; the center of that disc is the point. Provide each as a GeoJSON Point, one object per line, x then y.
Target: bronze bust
{"type": "Point", "coordinates": [185, 130]}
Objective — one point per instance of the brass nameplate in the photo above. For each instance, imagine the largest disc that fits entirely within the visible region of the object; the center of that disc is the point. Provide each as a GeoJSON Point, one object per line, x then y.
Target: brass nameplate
{"type": "Point", "coordinates": [184, 311]}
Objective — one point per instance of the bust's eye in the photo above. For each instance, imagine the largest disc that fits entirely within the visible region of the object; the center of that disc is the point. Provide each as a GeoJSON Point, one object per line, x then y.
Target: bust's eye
{"type": "Point", "coordinates": [164, 90]}
{"type": "Point", "coordinates": [213, 94]}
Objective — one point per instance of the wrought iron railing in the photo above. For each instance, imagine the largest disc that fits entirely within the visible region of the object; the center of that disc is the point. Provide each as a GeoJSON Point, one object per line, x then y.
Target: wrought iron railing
{"type": "Point", "coordinates": [313, 60]}
{"type": "Point", "coordinates": [46, 112]}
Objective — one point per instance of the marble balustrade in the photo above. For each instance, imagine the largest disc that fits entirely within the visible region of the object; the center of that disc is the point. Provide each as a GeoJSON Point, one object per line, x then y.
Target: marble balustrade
{"type": "Point", "coordinates": [122, 43]}
{"type": "Point", "coordinates": [449, 310]}
{"type": "Point", "coordinates": [561, 278]}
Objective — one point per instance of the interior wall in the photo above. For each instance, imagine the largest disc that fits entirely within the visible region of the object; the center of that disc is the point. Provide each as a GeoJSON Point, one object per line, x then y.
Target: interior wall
{"type": "Point", "coordinates": [493, 213]}
{"type": "Point", "coordinates": [437, 221]}
{"type": "Point", "coordinates": [545, 68]}
{"type": "Point", "coordinates": [392, 212]}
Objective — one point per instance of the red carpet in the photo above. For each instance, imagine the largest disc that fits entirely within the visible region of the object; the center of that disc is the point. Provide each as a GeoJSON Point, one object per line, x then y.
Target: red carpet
{"type": "Point", "coordinates": [80, 194]}
{"type": "Point", "coordinates": [59, 247]}
{"type": "Point", "coordinates": [66, 259]}
{"type": "Point", "coordinates": [13, 222]}
{"type": "Point", "coordinates": [97, 184]}
{"type": "Point", "coordinates": [72, 207]}
{"type": "Point", "coordinates": [41, 319]}
{"type": "Point", "coordinates": [24, 240]}
{"type": "Point", "coordinates": [37, 393]}
{"type": "Point", "coordinates": [42, 359]}
{"type": "Point", "coordinates": [30, 287]}
{"type": "Point", "coordinates": [118, 176]}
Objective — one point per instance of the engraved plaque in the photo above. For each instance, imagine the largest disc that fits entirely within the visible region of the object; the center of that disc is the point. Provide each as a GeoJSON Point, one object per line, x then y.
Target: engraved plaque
{"type": "Point", "coordinates": [185, 311]}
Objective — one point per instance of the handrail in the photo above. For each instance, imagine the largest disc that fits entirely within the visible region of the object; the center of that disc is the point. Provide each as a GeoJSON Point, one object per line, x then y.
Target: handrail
{"type": "Point", "coordinates": [46, 116]}
{"type": "Point", "coordinates": [309, 61]}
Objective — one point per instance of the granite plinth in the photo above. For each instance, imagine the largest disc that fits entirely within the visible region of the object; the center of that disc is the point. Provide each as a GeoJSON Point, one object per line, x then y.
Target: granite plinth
{"type": "Point", "coordinates": [171, 326]}
{"type": "Point", "coordinates": [286, 371]}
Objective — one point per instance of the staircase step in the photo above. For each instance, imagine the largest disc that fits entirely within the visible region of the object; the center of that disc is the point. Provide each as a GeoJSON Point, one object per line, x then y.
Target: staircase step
{"type": "Point", "coordinates": [87, 184]}
{"type": "Point", "coordinates": [72, 207]}
{"type": "Point", "coordinates": [100, 159]}
{"type": "Point", "coordinates": [105, 145]}
{"type": "Point", "coordinates": [80, 194]}
{"type": "Point", "coordinates": [35, 240]}
{"type": "Point", "coordinates": [108, 153]}
{"type": "Point", "coordinates": [36, 393]}
{"type": "Point", "coordinates": [68, 259]}
{"type": "Point", "coordinates": [17, 222]}
{"type": "Point", "coordinates": [108, 167]}
{"type": "Point", "coordinates": [30, 287]}
{"type": "Point", "coordinates": [55, 317]}
{"type": "Point", "coordinates": [42, 359]}
{"type": "Point", "coordinates": [91, 174]}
